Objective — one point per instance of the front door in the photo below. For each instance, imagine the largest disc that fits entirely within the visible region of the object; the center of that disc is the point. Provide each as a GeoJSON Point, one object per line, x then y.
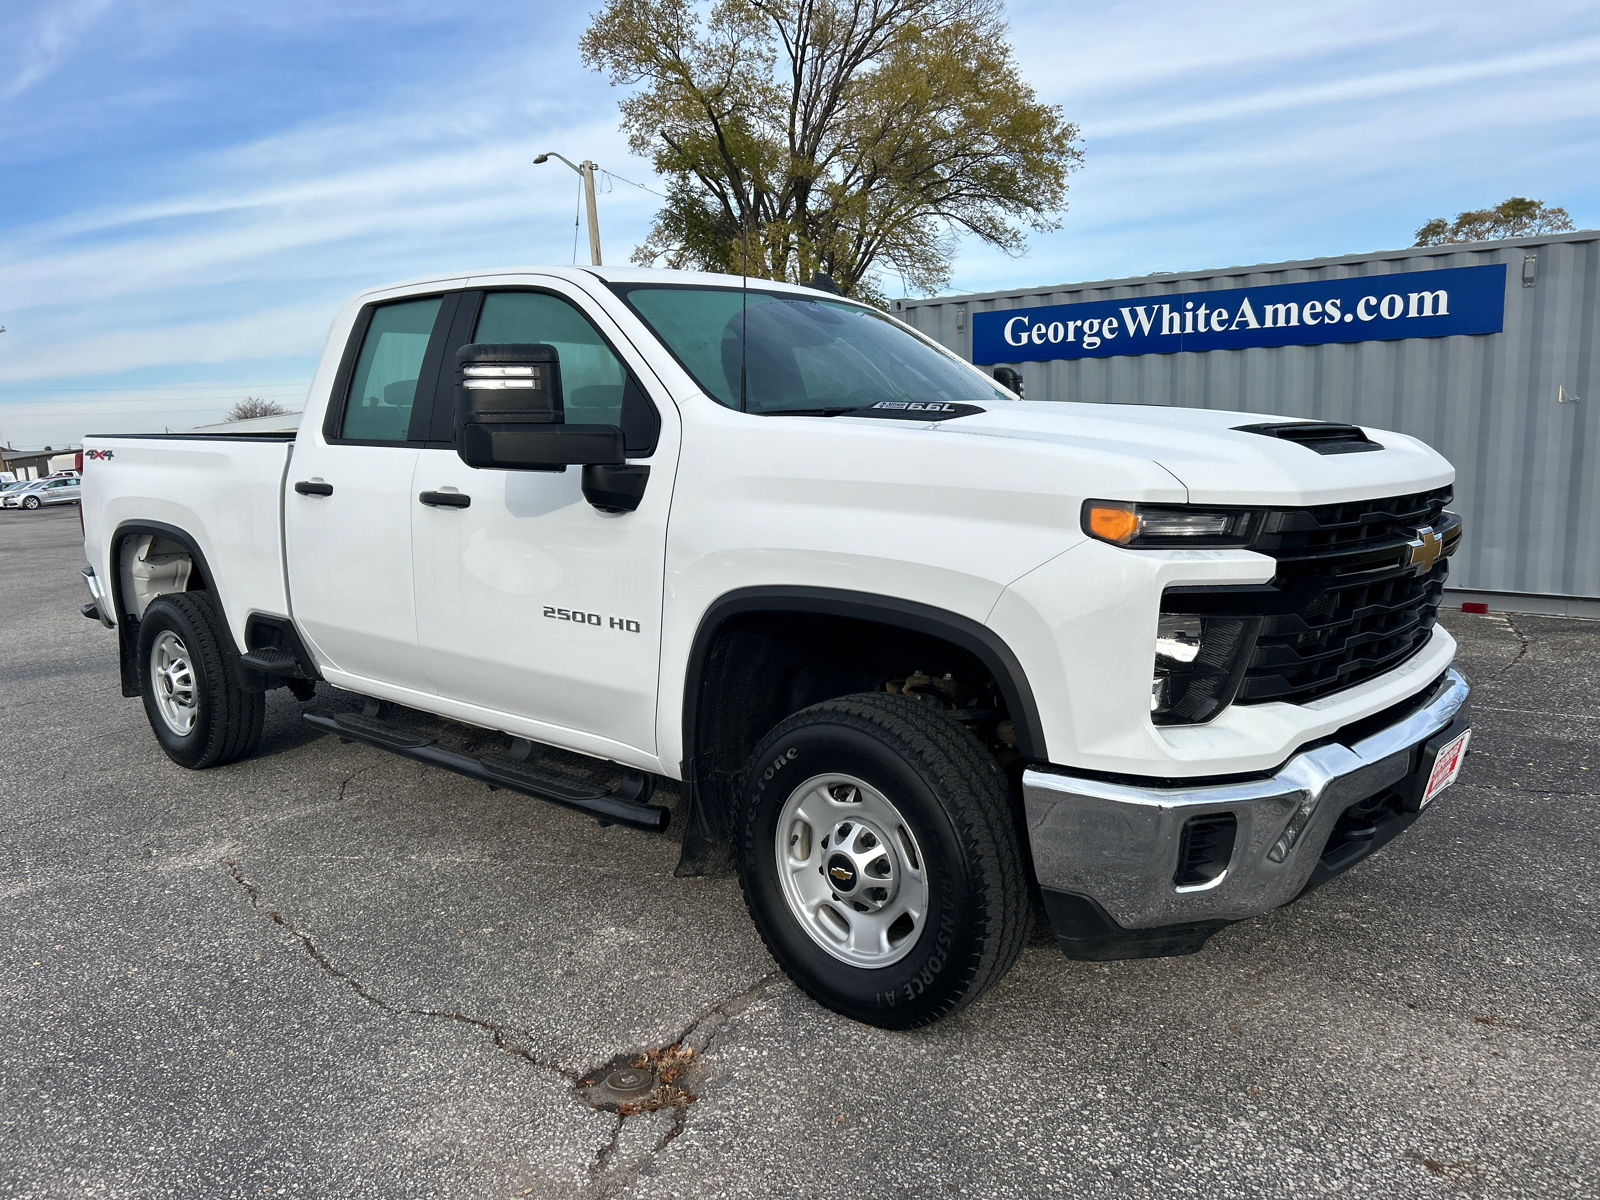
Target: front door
{"type": "Point", "coordinates": [348, 505]}
{"type": "Point", "coordinates": [530, 602]}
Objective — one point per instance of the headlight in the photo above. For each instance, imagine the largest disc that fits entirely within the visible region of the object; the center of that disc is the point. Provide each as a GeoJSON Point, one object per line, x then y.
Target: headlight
{"type": "Point", "coordinates": [1163, 526]}
{"type": "Point", "coordinates": [1199, 662]}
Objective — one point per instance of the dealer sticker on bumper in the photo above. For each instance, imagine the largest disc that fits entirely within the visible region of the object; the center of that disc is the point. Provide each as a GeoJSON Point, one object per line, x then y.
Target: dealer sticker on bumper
{"type": "Point", "coordinates": [1446, 767]}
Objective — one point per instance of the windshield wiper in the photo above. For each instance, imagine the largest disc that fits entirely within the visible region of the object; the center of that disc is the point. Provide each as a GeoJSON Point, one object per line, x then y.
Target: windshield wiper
{"type": "Point", "coordinates": [808, 412]}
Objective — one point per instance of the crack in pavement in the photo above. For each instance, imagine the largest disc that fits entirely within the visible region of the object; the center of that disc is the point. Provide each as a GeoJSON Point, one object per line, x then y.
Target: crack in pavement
{"type": "Point", "coordinates": [605, 1179]}
{"type": "Point", "coordinates": [697, 1037]}
{"type": "Point", "coordinates": [497, 1032]}
{"type": "Point", "coordinates": [1523, 642]}
{"type": "Point", "coordinates": [598, 1169]}
{"type": "Point", "coordinates": [1537, 712]}
{"type": "Point", "coordinates": [351, 778]}
{"type": "Point", "coordinates": [1529, 792]}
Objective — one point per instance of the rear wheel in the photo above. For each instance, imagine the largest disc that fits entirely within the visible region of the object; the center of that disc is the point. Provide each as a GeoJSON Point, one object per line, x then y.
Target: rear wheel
{"type": "Point", "coordinates": [879, 859]}
{"type": "Point", "coordinates": [198, 711]}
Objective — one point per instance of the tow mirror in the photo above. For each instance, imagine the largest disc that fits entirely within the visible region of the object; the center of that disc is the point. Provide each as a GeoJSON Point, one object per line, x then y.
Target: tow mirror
{"type": "Point", "coordinates": [509, 413]}
{"type": "Point", "coordinates": [1008, 377]}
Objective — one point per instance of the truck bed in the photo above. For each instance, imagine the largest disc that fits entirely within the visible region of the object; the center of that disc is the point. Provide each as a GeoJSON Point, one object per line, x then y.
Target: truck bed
{"type": "Point", "coordinates": [224, 490]}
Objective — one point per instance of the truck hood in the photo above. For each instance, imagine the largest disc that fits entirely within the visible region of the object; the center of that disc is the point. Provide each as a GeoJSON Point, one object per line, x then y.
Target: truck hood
{"type": "Point", "coordinates": [1207, 452]}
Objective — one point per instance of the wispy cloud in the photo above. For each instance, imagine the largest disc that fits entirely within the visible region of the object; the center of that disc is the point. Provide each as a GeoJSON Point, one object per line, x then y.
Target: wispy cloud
{"type": "Point", "coordinates": [1380, 85]}
{"type": "Point", "coordinates": [47, 42]}
{"type": "Point", "coordinates": [213, 176]}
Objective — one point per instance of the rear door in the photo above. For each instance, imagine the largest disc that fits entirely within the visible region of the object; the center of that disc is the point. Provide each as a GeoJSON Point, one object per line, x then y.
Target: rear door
{"type": "Point", "coordinates": [348, 502]}
{"type": "Point", "coordinates": [530, 602]}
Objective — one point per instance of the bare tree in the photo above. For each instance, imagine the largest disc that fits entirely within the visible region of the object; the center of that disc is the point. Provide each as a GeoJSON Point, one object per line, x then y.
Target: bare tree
{"type": "Point", "coordinates": [253, 406]}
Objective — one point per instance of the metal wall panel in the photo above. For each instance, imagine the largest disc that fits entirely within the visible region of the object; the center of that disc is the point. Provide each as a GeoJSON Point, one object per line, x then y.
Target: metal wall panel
{"type": "Point", "coordinates": [1528, 483]}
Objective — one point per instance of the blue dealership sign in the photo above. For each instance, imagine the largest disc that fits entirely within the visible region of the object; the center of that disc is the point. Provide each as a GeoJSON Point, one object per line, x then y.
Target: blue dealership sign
{"type": "Point", "coordinates": [1408, 304]}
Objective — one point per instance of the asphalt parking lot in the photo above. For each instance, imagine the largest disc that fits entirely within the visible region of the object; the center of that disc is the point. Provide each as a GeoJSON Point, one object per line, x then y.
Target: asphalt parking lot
{"type": "Point", "coordinates": [330, 972]}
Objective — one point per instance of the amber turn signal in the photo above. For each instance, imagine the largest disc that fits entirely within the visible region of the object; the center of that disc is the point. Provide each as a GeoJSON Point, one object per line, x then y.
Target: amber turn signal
{"type": "Point", "coordinates": [1113, 522]}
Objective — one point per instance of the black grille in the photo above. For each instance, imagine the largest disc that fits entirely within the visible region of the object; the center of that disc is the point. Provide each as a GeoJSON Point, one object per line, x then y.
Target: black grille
{"type": "Point", "coordinates": [1345, 605]}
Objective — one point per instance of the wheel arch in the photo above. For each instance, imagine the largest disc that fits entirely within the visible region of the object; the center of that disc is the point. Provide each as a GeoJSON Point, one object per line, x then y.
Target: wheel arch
{"type": "Point", "coordinates": [127, 626]}
{"type": "Point", "coordinates": [706, 766]}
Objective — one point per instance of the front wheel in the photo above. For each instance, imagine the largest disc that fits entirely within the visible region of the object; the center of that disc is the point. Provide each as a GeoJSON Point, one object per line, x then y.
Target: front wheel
{"type": "Point", "coordinates": [880, 861]}
{"type": "Point", "coordinates": [200, 714]}
{"type": "Point", "coordinates": [30, 502]}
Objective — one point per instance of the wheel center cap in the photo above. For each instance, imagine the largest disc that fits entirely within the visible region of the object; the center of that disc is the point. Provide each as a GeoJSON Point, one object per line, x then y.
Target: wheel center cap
{"type": "Point", "coordinates": [861, 866]}
{"type": "Point", "coordinates": [842, 874]}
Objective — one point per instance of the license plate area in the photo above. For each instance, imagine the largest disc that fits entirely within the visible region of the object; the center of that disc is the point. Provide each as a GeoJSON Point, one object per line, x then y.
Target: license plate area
{"type": "Point", "coordinates": [1446, 766]}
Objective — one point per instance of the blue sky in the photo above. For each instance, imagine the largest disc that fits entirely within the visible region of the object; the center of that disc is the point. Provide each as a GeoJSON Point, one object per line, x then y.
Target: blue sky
{"type": "Point", "coordinates": [189, 187]}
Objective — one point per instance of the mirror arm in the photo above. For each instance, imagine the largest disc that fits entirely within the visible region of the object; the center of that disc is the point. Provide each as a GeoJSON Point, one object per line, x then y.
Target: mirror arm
{"type": "Point", "coordinates": [614, 488]}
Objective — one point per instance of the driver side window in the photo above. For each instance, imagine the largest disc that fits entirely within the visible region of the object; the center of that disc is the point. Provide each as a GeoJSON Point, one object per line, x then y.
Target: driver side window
{"type": "Point", "coordinates": [592, 377]}
{"type": "Point", "coordinates": [596, 387]}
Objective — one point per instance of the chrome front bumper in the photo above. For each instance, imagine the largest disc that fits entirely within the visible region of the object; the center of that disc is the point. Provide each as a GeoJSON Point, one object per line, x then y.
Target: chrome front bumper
{"type": "Point", "coordinates": [1117, 845]}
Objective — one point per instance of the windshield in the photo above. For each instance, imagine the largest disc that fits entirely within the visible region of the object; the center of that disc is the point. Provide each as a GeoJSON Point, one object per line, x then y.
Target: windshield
{"type": "Point", "coordinates": [799, 354]}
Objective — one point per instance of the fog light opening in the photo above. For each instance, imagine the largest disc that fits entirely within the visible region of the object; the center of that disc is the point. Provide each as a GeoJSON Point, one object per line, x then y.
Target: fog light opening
{"type": "Point", "coordinates": [1205, 849]}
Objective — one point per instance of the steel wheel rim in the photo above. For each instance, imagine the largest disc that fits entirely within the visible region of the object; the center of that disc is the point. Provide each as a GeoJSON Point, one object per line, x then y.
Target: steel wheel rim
{"type": "Point", "coordinates": [863, 899]}
{"type": "Point", "coordinates": [172, 683]}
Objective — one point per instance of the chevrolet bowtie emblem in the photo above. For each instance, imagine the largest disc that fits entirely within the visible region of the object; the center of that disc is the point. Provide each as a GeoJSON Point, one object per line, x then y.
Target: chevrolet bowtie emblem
{"type": "Point", "coordinates": [842, 875]}
{"type": "Point", "coordinates": [1424, 550]}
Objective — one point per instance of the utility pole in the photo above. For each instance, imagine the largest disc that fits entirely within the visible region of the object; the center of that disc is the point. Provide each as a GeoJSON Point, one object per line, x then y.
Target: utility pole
{"type": "Point", "coordinates": [7, 445]}
{"type": "Point", "coordinates": [585, 170]}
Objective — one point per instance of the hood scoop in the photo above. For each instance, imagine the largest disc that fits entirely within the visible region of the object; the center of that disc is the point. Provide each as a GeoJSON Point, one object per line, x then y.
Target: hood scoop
{"type": "Point", "coordinates": [1324, 437]}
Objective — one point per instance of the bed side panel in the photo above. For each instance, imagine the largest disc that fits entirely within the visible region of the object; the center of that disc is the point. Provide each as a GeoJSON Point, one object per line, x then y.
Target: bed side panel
{"type": "Point", "coordinates": [225, 493]}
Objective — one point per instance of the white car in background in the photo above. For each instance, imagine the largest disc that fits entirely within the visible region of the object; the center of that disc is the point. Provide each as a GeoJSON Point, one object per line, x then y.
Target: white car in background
{"type": "Point", "coordinates": [66, 489]}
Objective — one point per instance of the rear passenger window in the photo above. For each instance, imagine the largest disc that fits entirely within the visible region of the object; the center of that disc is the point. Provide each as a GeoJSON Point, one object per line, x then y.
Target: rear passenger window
{"type": "Point", "coordinates": [384, 385]}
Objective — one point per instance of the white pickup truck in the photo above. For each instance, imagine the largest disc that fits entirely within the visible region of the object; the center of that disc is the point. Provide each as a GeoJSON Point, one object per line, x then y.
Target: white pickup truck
{"type": "Point", "coordinates": [911, 644]}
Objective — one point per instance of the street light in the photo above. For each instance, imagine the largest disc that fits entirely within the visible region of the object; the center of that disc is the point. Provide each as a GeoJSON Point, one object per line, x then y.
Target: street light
{"type": "Point", "coordinates": [586, 170]}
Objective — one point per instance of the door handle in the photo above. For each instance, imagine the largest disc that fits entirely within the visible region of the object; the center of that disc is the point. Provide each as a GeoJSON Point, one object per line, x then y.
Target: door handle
{"type": "Point", "coordinates": [444, 499]}
{"type": "Point", "coordinates": [308, 488]}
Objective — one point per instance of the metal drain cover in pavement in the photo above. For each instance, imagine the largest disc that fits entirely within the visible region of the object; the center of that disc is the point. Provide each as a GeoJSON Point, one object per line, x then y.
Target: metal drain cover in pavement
{"type": "Point", "coordinates": [629, 1082]}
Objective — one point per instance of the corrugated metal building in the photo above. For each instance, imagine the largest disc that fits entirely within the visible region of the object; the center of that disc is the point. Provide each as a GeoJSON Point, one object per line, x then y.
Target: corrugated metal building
{"type": "Point", "coordinates": [1513, 409]}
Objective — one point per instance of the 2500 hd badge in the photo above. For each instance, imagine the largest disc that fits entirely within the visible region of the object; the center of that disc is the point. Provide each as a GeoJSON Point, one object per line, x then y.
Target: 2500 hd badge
{"type": "Point", "coordinates": [580, 617]}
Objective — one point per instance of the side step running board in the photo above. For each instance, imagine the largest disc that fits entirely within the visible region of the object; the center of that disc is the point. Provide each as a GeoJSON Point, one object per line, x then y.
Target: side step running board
{"type": "Point", "coordinates": [622, 806]}
{"type": "Point", "coordinates": [270, 660]}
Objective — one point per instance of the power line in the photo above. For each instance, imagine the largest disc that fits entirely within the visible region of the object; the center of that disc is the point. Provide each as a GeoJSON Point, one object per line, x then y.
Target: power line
{"type": "Point", "coordinates": [575, 206]}
{"type": "Point", "coordinates": [630, 183]}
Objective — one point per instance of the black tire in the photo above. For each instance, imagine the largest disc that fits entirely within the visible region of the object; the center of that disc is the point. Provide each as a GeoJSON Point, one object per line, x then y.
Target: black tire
{"type": "Point", "coordinates": [955, 800]}
{"type": "Point", "coordinates": [227, 719]}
